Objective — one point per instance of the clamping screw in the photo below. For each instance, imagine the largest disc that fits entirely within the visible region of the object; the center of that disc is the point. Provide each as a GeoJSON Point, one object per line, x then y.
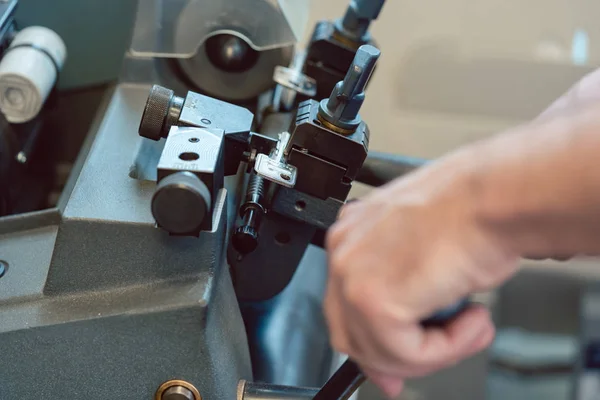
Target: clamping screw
{"type": "Point", "coordinates": [245, 238]}
{"type": "Point", "coordinates": [341, 109]}
{"type": "Point", "coordinates": [359, 15]}
{"type": "Point", "coordinates": [162, 110]}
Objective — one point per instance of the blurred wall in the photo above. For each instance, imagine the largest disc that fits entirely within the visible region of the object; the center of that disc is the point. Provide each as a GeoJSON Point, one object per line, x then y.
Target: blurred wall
{"type": "Point", "coordinates": [455, 71]}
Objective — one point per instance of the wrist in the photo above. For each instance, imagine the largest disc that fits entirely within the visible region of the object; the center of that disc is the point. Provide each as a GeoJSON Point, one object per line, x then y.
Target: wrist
{"type": "Point", "coordinates": [490, 198]}
{"type": "Point", "coordinates": [508, 201]}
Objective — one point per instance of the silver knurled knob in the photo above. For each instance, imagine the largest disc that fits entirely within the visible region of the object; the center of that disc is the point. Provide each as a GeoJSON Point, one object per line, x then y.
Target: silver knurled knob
{"type": "Point", "coordinates": [161, 111]}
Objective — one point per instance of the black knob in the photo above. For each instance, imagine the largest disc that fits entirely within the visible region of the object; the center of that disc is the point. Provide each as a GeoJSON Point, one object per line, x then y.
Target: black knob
{"type": "Point", "coordinates": [181, 203]}
{"type": "Point", "coordinates": [161, 111]}
{"type": "Point", "coordinates": [245, 239]}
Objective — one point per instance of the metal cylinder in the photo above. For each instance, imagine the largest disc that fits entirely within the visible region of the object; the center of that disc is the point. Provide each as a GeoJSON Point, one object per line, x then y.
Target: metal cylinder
{"type": "Point", "coordinates": [265, 391]}
{"type": "Point", "coordinates": [181, 203]}
{"type": "Point", "coordinates": [162, 110]}
{"type": "Point", "coordinates": [178, 393]}
{"type": "Point", "coordinates": [343, 105]}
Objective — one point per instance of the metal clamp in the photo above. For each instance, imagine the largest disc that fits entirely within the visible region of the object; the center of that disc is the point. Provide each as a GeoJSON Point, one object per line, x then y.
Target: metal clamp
{"type": "Point", "coordinates": [274, 168]}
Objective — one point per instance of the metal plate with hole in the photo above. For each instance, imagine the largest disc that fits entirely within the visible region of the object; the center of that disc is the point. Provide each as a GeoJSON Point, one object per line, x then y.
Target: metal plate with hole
{"type": "Point", "coordinates": [274, 171]}
{"type": "Point", "coordinates": [191, 149]}
{"type": "Point", "coordinates": [295, 81]}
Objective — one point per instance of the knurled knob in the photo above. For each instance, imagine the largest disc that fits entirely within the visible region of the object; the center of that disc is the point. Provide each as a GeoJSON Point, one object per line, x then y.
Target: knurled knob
{"type": "Point", "coordinates": [152, 125]}
{"type": "Point", "coordinates": [181, 203]}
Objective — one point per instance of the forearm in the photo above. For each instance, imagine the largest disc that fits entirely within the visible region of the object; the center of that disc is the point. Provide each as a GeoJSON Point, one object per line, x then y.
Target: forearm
{"type": "Point", "coordinates": [538, 186]}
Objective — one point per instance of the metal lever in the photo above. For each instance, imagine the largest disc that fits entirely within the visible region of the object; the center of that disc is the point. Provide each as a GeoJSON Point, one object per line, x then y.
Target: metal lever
{"type": "Point", "coordinates": [348, 378]}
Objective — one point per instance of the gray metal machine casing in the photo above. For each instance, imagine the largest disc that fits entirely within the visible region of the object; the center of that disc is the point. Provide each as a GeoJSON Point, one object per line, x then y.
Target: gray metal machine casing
{"type": "Point", "coordinates": [95, 276]}
{"type": "Point", "coordinates": [98, 302]}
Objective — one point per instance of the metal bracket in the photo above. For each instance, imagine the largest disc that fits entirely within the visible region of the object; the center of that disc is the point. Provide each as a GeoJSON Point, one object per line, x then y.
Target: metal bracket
{"type": "Point", "coordinates": [295, 80]}
{"type": "Point", "coordinates": [273, 167]}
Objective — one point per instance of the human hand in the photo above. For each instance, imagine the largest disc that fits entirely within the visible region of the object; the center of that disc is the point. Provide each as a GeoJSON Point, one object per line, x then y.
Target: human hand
{"type": "Point", "coordinates": [398, 256]}
{"type": "Point", "coordinates": [419, 244]}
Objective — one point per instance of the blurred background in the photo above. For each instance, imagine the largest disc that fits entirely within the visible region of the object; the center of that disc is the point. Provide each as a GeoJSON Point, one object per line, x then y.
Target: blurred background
{"type": "Point", "coordinates": [451, 72]}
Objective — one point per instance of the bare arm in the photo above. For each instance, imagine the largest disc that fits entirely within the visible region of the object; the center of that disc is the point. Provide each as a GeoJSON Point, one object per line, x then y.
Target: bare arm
{"type": "Point", "coordinates": [539, 185]}
{"type": "Point", "coordinates": [458, 226]}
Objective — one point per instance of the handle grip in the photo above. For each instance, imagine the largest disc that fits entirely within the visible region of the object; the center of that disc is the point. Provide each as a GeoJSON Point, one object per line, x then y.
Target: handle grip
{"type": "Point", "coordinates": [446, 315]}
{"type": "Point", "coordinates": [348, 378]}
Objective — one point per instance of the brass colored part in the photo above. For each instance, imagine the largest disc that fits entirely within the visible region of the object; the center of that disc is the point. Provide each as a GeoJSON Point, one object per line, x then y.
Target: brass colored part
{"type": "Point", "coordinates": [241, 389]}
{"type": "Point", "coordinates": [169, 384]}
{"type": "Point", "coordinates": [336, 129]}
{"type": "Point", "coordinates": [353, 44]}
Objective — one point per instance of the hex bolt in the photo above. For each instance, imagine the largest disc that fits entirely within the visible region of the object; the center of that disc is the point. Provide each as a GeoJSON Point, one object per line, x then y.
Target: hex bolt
{"type": "Point", "coordinates": [342, 107]}
{"type": "Point", "coordinates": [245, 238]}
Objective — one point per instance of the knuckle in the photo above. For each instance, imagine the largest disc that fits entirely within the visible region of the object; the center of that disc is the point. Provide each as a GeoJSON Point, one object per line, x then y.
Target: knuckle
{"type": "Point", "coordinates": [360, 299]}
{"type": "Point", "coordinates": [338, 263]}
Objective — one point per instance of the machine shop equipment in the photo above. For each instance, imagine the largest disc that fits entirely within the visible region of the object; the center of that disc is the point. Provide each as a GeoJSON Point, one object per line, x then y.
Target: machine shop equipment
{"type": "Point", "coordinates": [30, 63]}
{"type": "Point", "coordinates": [178, 262]}
{"type": "Point", "coordinates": [333, 43]}
{"type": "Point", "coordinates": [222, 48]}
{"type": "Point", "coordinates": [298, 179]}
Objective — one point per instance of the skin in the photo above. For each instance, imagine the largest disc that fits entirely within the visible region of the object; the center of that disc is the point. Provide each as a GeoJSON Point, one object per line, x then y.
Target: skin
{"type": "Point", "coordinates": [459, 226]}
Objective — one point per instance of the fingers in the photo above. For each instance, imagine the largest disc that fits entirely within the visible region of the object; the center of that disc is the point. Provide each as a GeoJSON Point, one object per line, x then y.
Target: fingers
{"type": "Point", "coordinates": [390, 385]}
{"type": "Point", "coordinates": [334, 315]}
{"type": "Point", "coordinates": [469, 333]}
{"type": "Point", "coordinates": [408, 350]}
{"type": "Point", "coordinates": [393, 384]}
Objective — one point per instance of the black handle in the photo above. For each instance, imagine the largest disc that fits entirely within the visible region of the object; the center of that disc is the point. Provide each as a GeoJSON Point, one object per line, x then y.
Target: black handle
{"type": "Point", "coordinates": [349, 377]}
{"type": "Point", "coordinates": [381, 168]}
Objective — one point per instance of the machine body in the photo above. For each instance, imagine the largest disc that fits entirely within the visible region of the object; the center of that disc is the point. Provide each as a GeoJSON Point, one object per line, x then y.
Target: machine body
{"type": "Point", "coordinates": [178, 260]}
